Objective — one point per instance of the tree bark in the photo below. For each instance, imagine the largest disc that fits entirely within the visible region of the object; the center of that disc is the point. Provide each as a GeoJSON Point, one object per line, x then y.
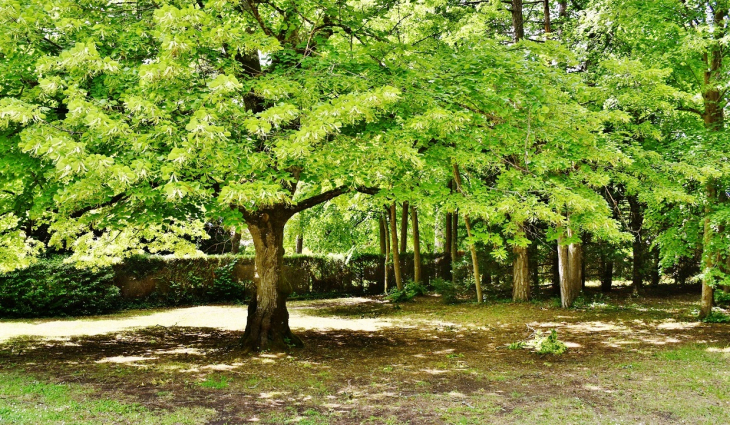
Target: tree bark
{"type": "Point", "coordinates": [518, 23]}
{"type": "Point", "coordinates": [455, 236]}
{"type": "Point", "coordinates": [394, 246]}
{"type": "Point", "coordinates": [708, 256]}
{"type": "Point", "coordinates": [386, 262]}
{"type": "Point", "coordinates": [472, 246]}
{"type": "Point", "coordinates": [606, 273]}
{"type": "Point", "coordinates": [404, 228]}
{"type": "Point", "coordinates": [637, 222]}
{"type": "Point", "coordinates": [417, 264]}
{"type": "Point", "coordinates": [299, 244]}
{"type": "Point", "coordinates": [570, 263]}
{"type": "Point", "coordinates": [520, 271]}
{"type": "Point", "coordinates": [447, 242]}
{"type": "Point", "coordinates": [555, 269]}
{"type": "Point", "coordinates": [383, 235]}
{"type": "Point", "coordinates": [714, 118]}
{"type": "Point", "coordinates": [267, 325]}
{"type": "Point", "coordinates": [438, 234]}
{"type": "Point", "coordinates": [546, 13]}
{"type": "Point", "coordinates": [236, 242]}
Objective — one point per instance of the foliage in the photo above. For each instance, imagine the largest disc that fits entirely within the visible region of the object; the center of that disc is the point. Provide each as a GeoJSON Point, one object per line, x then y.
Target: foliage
{"type": "Point", "coordinates": [447, 289]}
{"type": "Point", "coordinates": [541, 343]}
{"type": "Point", "coordinates": [716, 316]}
{"type": "Point", "coordinates": [52, 287]}
{"type": "Point", "coordinates": [410, 290]}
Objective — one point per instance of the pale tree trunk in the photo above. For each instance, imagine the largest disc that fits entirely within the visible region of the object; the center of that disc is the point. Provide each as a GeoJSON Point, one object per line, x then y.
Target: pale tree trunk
{"type": "Point", "coordinates": [520, 271]}
{"type": "Point", "coordinates": [386, 263]}
{"type": "Point", "coordinates": [438, 233]}
{"type": "Point", "coordinates": [404, 228]}
{"type": "Point", "coordinates": [394, 246]}
{"type": "Point", "coordinates": [267, 326]}
{"type": "Point", "coordinates": [569, 262]}
{"type": "Point", "coordinates": [417, 264]}
{"type": "Point", "coordinates": [299, 244]}
{"type": "Point", "coordinates": [472, 246]}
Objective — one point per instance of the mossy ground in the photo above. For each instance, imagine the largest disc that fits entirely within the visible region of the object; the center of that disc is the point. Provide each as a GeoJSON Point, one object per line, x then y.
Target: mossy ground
{"type": "Point", "coordinates": [629, 360]}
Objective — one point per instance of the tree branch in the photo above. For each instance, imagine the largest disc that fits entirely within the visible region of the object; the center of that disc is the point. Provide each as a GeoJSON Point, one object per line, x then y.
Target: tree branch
{"type": "Point", "coordinates": [117, 198]}
{"type": "Point", "coordinates": [318, 199]}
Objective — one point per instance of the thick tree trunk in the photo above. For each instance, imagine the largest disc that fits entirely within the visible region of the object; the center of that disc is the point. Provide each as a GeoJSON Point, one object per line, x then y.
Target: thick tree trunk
{"type": "Point", "coordinates": [267, 325]}
{"type": "Point", "coordinates": [417, 263]}
{"type": "Point", "coordinates": [570, 258]}
{"type": "Point", "coordinates": [404, 228]}
{"type": "Point", "coordinates": [394, 246]}
{"type": "Point", "coordinates": [518, 23]}
{"type": "Point", "coordinates": [520, 271]}
{"type": "Point", "coordinates": [299, 244]}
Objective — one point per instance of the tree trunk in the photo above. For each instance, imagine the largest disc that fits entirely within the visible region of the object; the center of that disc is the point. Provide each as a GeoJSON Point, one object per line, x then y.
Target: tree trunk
{"type": "Point", "coordinates": [555, 269]}
{"type": "Point", "coordinates": [570, 263]}
{"type": "Point", "coordinates": [546, 13]}
{"type": "Point", "coordinates": [438, 234]}
{"type": "Point", "coordinates": [417, 264]}
{"type": "Point", "coordinates": [655, 275]}
{"type": "Point", "coordinates": [386, 262]}
{"type": "Point", "coordinates": [637, 222]}
{"type": "Point", "coordinates": [475, 261]}
{"type": "Point", "coordinates": [520, 271]}
{"type": "Point", "coordinates": [455, 235]}
{"type": "Point", "coordinates": [563, 8]}
{"type": "Point", "coordinates": [447, 242]}
{"type": "Point", "coordinates": [299, 244]}
{"type": "Point", "coordinates": [606, 273]}
{"type": "Point", "coordinates": [517, 20]}
{"type": "Point", "coordinates": [708, 257]}
{"type": "Point", "coordinates": [714, 118]}
{"type": "Point", "coordinates": [267, 325]}
{"type": "Point", "coordinates": [394, 246]}
{"type": "Point", "coordinates": [236, 242]}
{"type": "Point", "coordinates": [383, 235]}
{"type": "Point", "coordinates": [404, 228]}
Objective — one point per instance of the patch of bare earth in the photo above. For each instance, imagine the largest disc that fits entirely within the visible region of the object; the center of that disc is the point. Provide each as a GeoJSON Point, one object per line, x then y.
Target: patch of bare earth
{"type": "Point", "coordinates": [366, 361]}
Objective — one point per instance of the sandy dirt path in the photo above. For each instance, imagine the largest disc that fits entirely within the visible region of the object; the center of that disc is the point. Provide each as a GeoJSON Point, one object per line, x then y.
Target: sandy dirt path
{"type": "Point", "coordinates": [231, 318]}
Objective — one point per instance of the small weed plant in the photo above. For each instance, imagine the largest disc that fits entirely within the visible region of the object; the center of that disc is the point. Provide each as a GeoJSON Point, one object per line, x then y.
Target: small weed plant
{"type": "Point", "coordinates": [541, 343]}
{"type": "Point", "coordinates": [717, 316]}
{"type": "Point", "coordinates": [409, 291]}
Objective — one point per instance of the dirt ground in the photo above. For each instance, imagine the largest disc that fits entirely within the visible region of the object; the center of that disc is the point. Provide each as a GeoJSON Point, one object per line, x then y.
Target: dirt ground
{"type": "Point", "coordinates": [629, 360]}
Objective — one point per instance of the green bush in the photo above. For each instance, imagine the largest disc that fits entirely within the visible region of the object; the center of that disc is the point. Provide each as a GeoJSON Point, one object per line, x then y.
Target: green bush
{"type": "Point", "coordinates": [52, 288]}
{"type": "Point", "coordinates": [448, 291]}
{"type": "Point", "coordinates": [542, 343]}
{"type": "Point", "coordinates": [409, 291]}
{"type": "Point", "coordinates": [716, 316]}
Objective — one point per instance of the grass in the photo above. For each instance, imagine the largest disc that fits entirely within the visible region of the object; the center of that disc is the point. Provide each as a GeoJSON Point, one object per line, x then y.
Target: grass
{"type": "Point", "coordinates": [629, 360]}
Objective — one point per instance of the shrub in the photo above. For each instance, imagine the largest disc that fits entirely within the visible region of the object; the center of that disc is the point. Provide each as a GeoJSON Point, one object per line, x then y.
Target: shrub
{"type": "Point", "coordinates": [542, 343]}
{"type": "Point", "coordinates": [716, 316]}
{"type": "Point", "coordinates": [409, 291]}
{"type": "Point", "coordinates": [52, 288]}
{"type": "Point", "coordinates": [448, 291]}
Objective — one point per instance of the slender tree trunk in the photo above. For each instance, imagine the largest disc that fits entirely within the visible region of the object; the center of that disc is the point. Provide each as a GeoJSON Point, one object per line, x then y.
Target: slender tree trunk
{"type": "Point", "coordinates": [267, 326]}
{"type": "Point", "coordinates": [472, 246]}
{"type": "Point", "coordinates": [534, 261]}
{"type": "Point", "coordinates": [386, 261]}
{"type": "Point", "coordinates": [417, 264]}
{"type": "Point", "coordinates": [455, 236]}
{"type": "Point", "coordinates": [236, 242]}
{"type": "Point", "coordinates": [438, 234]}
{"type": "Point", "coordinates": [404, 228]}
{"type": "Point", "coordinates": [637, 222]}
{"type": "Point", "coordinates": [447, 242]}
{"type": "Point", "coordinates": [520, 271]}
{"type": "Point", "coordinates": [299, 244]}
{"type": "Point", "coordinates": [555, 269]}
{"type": "Point", "coordinates": [383, 235]}
{"type": "Point", "coordinates": [563, 8]}
{"type": "Point", "coordinates": [714, 118]}
{"type": "Point", "coordinates": [708, 257]}
{"type": "Point", "coordinates": [518, 24]}
{"type": "Point", "coordinates": [655, 275]}
{"type": "Point", "coordinates": [394, 246]}
{"type": "Point", "coordinates": [606, 273]}
{"type": "Point", "coordinates": [546, 13]}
